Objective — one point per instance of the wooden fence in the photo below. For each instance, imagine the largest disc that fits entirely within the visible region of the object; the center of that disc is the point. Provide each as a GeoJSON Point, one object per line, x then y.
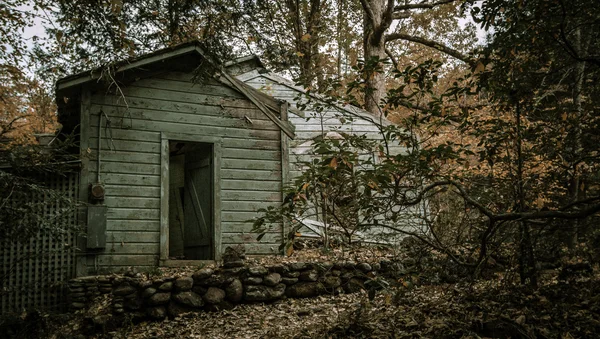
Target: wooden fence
{"type": "Point", "coordinates": [36, 272]}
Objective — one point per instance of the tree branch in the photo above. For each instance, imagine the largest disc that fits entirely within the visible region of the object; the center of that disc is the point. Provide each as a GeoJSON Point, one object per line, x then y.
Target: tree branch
{"type": "Point", "coordinates": [429, 43]}
{"type": "Point", "coordinates": [386, 21]}
{"type": "Point", "coordinates": [392, 58]}
{"type": "Point", "coordinates": [367, 7]}
{"type": "Point", "coordinates": [422, 5]}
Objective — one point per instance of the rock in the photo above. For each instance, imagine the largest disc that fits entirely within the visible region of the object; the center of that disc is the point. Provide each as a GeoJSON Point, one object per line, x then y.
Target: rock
{"type": "Point", "coordinates": [332, 282]}
{"type": "Point", "coordinates": [365, 267]}
{"type": "Point", "coordinates": [347, 276]}
{"type": "Point", "coordinates": [77, 305]}
{"type": "Point", "coordinates": [160, 298]}
{"type": "Point", "coordinates": [234, 256]}
{"type": "Point", "coordinates": [175, 309]}
{"type": "Point", "coordinates": [148, 292]}
{"type": "Point", "coordinates": [202, 274]}
{"type": "Point", "coordinates": [272, 279]}
{"type": "Point", "coordinates": [199, 290]}
{"type": "Point", "coordinates": [253, 280]}
{"type": "Point", "coordinates": [214, 295]}
{"type": "Point", "coordinates": [157, 313]}
{"type": "Point", "coordinates": [311, 275]}
{"type": "Point", "coordinates": [184, 284]}
{"type": "Point", "coordinates": [298, 266]}
{"type": "Point", "coordinates": [189, 298]}
{"type": "Point", "coordinates": [376, 266]}
{"type": "Point", "coordinates": [289, 281]}
{"type": "Point", "coordinates": [133, 304]}
{"type": "Point", "coordinates": [349, 265]}
{"type": "Point", "coordinates": [336, 273]}
{"type": "Point", "coordinates": [323, 267]}
{"type": "Point", "coordinates": [235, 291]}
{"type": "Point", "coordinates": [292, 274]}
{"type": "Point", "coordinates": [354, 285]}
{"type": "Point", "coordinates": [145, 284]}
{"type": "Point", "coordinates": [124, 289]}
{"type": "Point", "coordinates": [236, 271]}
{"type": "Point", "coordinates": [166, 287]}
{"type": "Point", "coordinates": [264, 293]}
{"type": "Point", "coordinates": [277, 268]}
{"type": "Point", "coordinates": [218, 280]}
{"type": "Point", "coordinates": [258, 270]}
{"type": "Point", "coordinates": [303, 290]}
{"type": "Point", "coordinates": [234, 263]}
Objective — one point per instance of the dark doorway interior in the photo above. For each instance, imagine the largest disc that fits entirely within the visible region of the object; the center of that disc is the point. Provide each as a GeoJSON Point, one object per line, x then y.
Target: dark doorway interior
{"type": "Point", "coordinates": [190, 201]}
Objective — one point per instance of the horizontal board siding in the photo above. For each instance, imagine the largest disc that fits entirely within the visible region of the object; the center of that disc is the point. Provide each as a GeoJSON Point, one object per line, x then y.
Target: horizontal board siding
{"type": "Point", "coordinates": [249, 174]}
{"type": "Point", "coordinates": [125, 167]}
{"type": "Point", "coordinates": [133, 225]}
{"type": "Point", "coordinates": [134, 237]}
{"type": "Point", "coordinates": [123, 116]}
{"type": "Point", "coordinates": [244, 227]}
{"type": "Point", "coordinates": [113, 101]}
{"type": "Point", "coordinates": [127, 247]}
{"type": "Point", "coordinates": [228, 184]}
{"type": "Point", "coordinates": [213, 131]}
{"type": "Point", "coordinates": [133, 213]}
{"type": "Point", "coordinates": [248, 206]}
{"type": "Point", "coordinates": [130, 161]}
{"type": "Point", "coordinates": [132, 202]}
{"type": "Point", "coordinates": [128, 179]}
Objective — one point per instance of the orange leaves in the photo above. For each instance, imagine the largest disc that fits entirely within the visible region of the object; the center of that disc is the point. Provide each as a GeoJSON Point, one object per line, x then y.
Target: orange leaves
{"type": "Point", "coordinates": [306, 37]}
{"type": "Point", "coordinates": [333, 164]}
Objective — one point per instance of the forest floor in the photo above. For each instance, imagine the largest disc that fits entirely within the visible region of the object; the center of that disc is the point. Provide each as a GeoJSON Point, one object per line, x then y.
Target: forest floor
{"type": "Point", "coordinates": [422, 307]}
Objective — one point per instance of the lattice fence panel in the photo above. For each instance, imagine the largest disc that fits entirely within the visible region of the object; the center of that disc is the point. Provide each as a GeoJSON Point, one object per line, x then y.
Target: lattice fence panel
{"type": "Point", "coordinates": [37, 271]}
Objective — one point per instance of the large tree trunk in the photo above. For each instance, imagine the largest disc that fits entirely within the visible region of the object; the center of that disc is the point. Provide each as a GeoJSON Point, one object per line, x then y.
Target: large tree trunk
{"type": "Point", "coordinates": [374, 49]}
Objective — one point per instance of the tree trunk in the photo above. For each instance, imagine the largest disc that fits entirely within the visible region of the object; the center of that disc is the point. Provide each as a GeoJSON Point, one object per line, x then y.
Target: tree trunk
{"type": "Point", "coordinates": [576, 180]}
{"type": "Point", "coordinates": [527, 269]}
{"type": "Point", "coordinates": [374, 49]}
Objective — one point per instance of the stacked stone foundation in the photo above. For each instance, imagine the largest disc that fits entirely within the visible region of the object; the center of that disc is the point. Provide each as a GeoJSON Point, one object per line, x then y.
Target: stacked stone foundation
{"type": "Point", "coordinates": [222, 288]}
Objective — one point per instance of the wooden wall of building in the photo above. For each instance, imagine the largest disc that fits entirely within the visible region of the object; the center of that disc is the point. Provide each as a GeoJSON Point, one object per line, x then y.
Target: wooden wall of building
{"type": "Point", "coordinates": [130, 165]}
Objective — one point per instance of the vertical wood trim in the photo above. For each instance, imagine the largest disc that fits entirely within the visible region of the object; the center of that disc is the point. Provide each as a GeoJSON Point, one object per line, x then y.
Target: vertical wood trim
{"type": "Point", "coordinates": [285, 168]}
{"type": "Point", "coordinates": [217, 154]}
{"type": "Point", "coordinates": [84, 137]}
{"type": "Point", "coordinates": [164, 197]}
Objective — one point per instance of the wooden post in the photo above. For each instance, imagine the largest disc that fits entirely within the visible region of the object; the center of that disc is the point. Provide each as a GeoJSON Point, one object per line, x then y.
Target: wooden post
{"type": "Point", "coordinates": [285, 167]}
{"type": "Point", "coordinates": [164, 198]}
{"type": "Point", "coordinates": [84, 137]}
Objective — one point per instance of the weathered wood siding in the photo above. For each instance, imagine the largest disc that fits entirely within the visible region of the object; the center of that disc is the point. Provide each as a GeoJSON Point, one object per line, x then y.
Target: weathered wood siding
{"type": "Point", "coordinates": [313, 124]}
{"type": "Point", "coordinates": [130, 163]}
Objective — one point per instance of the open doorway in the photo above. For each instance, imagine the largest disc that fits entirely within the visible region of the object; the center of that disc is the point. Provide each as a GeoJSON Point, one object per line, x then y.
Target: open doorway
{"type": "Point", "coordinates": [191, 188]}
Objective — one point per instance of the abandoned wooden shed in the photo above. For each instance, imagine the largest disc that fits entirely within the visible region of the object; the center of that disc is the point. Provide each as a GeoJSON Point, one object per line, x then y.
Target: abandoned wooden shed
{"type": "Point", "coordinates": [176, 155]}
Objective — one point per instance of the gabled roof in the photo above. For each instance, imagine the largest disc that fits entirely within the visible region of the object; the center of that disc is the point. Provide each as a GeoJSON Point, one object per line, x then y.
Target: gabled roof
{"type": "Point", "coordinates": [268, 105]}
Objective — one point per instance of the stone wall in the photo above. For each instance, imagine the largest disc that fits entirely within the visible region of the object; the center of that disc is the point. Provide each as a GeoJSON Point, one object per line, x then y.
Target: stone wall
{"type": "Point", "coordinates": [214, 289]}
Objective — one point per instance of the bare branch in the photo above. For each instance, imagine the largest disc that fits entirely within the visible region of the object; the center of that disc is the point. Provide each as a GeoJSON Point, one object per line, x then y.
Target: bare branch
{"type": "Point", "coordinates": [422, 5]}
{"type": "Point", "coordinates": [433, 44]}
{"type": "Point", "coordinates": [392, 58]}
{"type": "Point", "coordinates": [367, 7]}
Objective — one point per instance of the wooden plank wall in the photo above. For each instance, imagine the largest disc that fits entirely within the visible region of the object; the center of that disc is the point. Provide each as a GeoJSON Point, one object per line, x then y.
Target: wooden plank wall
{"type": "Point", "coordinates": [130, 162]}
{"type": "Point", "coordinates": [326, 122]}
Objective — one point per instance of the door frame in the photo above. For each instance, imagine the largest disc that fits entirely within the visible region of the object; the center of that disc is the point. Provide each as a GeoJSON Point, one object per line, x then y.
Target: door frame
{"type": "Point", "coordinates": [216, 143]}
